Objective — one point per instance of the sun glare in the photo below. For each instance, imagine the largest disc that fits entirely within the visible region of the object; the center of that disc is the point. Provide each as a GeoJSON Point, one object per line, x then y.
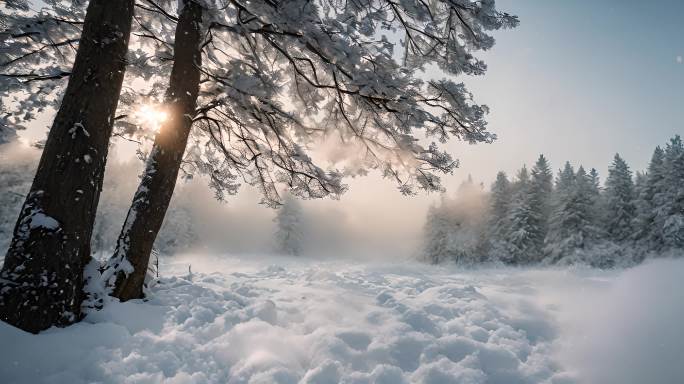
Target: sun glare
{"type": "Point", "coordinates": [151, 116]}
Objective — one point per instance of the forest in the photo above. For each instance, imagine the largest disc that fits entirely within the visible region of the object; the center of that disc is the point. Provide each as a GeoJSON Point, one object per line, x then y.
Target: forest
{"type": "Point", "coordinates": [573, 218]}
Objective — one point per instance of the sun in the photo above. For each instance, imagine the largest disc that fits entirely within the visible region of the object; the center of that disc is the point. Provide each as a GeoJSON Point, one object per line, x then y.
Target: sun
{"type": "Point", "coordinates": [151, 116]}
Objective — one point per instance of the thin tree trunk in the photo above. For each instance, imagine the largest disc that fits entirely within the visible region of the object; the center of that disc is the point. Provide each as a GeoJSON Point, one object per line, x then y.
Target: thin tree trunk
{"type": "Point", "coordinates": [128, 266]}
{"type": "Point", "coordinates": [41, 282]}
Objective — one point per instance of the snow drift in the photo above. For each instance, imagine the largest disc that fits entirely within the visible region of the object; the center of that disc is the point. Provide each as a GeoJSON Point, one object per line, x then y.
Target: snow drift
{"type": "Point", "coordinates": [285, 320]}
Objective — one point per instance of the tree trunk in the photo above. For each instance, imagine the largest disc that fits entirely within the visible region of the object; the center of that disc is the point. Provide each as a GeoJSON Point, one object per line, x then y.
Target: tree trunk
{"type": "Point", "coordinates": [41, 282]}
{"type": "Point", "coordinates": [128, 266]}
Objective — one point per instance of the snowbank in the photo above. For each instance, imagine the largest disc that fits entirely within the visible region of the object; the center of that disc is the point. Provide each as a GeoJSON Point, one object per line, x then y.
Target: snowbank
{"type": "Point", "coordinates": [291, 321]}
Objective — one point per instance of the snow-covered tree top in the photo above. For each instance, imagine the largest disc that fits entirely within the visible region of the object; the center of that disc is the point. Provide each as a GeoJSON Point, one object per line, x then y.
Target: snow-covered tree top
{"type": "Point", "coordinates": [280, 77]}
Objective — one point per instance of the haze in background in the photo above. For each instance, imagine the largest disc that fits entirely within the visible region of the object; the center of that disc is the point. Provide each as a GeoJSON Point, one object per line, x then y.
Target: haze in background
{"type": "Point", "coordinates": [577, 81]}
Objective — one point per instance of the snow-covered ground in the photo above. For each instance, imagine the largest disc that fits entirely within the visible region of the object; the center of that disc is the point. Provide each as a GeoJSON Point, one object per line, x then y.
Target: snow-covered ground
{"type": "Point", "coordinates": [283, 320]}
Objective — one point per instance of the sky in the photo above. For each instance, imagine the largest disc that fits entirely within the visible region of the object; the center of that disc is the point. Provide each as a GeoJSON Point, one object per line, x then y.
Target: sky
{"type": "Point", "coordinates": [577, 80]}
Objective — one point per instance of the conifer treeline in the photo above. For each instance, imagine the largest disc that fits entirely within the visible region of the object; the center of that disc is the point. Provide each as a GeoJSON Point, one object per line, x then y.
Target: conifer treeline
{"type": "Point", "coordinates": [534, 219]}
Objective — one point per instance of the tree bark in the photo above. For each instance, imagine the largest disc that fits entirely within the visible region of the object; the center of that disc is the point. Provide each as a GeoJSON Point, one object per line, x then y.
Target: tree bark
{"type": "Point", "coordinates": [41, 282]}
{"type": "Point", "coordinates": [128, 266]}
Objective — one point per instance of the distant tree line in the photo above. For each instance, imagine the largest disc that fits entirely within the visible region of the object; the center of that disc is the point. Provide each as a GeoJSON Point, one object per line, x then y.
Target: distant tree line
{"type": "Point", "coordinates": [534, 219]}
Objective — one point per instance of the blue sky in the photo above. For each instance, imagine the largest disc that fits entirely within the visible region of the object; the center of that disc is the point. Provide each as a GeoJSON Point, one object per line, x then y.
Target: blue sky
{"type": "Point", "coordinates": [579, 81]}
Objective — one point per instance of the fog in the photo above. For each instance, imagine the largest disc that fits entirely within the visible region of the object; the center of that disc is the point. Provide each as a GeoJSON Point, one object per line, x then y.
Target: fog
{"type": "Point", "coordinates": [624, 328]}
{"type": "Point", "coordinates": [371, 220]}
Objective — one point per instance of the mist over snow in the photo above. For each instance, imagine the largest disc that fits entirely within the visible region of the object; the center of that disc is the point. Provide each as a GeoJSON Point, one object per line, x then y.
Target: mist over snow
{"type": "Point", "coordinates": [365, 223]}
{"type": "Point", "coordinates": [624, 327]}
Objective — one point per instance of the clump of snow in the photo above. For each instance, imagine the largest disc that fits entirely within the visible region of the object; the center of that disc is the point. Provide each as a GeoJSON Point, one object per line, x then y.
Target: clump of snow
{"type": "Point", "coordinates": [296, 321]}
{"type": "Point", "coordinates": [75, 128]}
{"type": "Point", "coordinates": [41, 220]}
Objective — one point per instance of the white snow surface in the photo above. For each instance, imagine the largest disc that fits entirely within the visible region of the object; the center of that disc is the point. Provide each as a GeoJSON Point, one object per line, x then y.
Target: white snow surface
{"type": "Point", "coordinates": [287, 320]}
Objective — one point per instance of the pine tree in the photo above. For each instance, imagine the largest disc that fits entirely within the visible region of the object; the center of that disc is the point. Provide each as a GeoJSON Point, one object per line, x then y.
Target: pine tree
{"type": "Point", "coordinates": [670, 204]}
{"type": "Point", "coordinates": [640, 179]}
{"type": "Point", "coordinates": [436, 235]}
{"type": "Point", "coordinates": [572, 228]}
{"type": "Point", "coordinates": [648, 230]}
{"type": "Point", "coordinates": [619, 204]}
{"type": "Point", "coordinates": [595, 182]}
{"type": "Point", "coordinates": [597, 201]}
{"type": "Point", "coordinates": [497, 225]}
{"type": "Point", "coordinates": [539, 196]}
{"type": "Point", "coordinates": [564, 185]}
{"type": "Point", "coordinates": [522, 224]}
{"type": "Point", "coordinates": [467, 224]}
{"type": "Point", "coordinates": [565, 179]}
{"type": "Point", "coordinates": [542, 181]}
{"type": "Point", "coordinates": [289, 235]}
